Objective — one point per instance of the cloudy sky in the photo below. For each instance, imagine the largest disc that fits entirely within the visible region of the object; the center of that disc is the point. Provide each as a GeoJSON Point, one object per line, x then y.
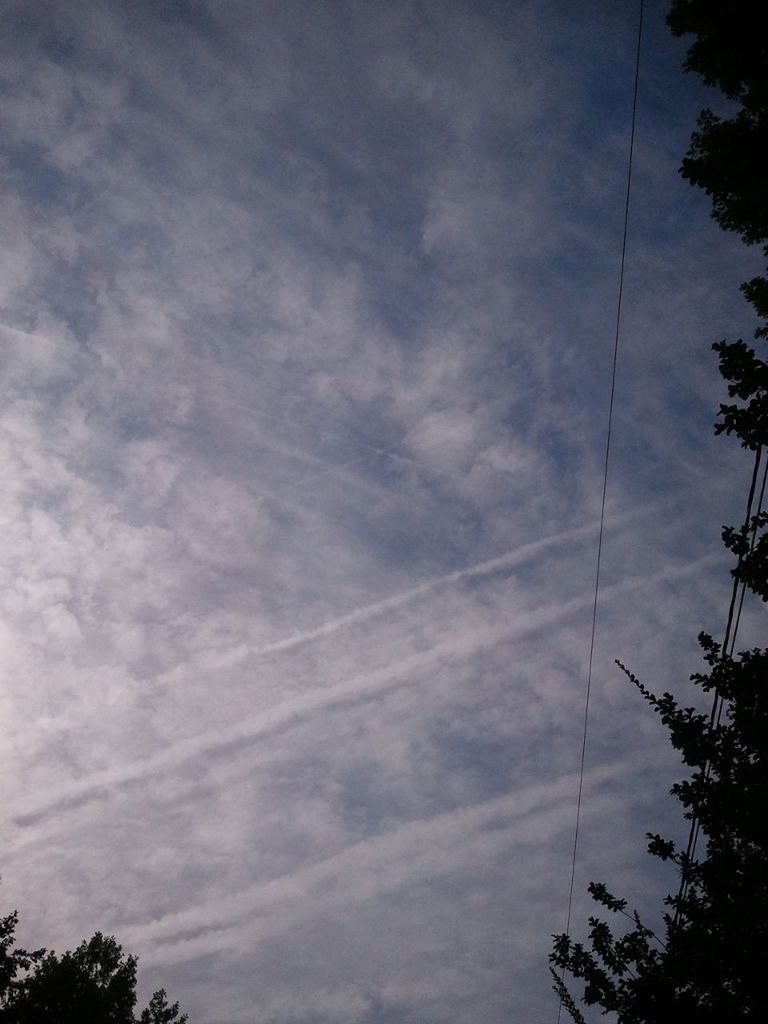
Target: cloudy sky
{"type": "Point", "coordinates": [307, 317]}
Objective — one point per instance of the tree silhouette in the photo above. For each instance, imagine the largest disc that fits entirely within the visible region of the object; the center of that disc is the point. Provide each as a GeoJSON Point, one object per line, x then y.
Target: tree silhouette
{"type": "Point", "coordinates": [160, 1011]}
{"type": "Point", "coordinates": [728, 155]}
{"type": "Point", "coordinates": [709, 966]}
{"type": "Point", "coordinates": [13, 961]}
{"type": "Point", "coordinates": [93, 984]}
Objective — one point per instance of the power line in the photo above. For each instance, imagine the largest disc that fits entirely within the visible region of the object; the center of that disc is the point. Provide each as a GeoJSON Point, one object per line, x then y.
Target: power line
{"type": "Point", "coordinates": [752, 542]}
{"type": "Point", "coordinates": [726, 651]}
{"type": "Point", "coordinates": [609, 432]}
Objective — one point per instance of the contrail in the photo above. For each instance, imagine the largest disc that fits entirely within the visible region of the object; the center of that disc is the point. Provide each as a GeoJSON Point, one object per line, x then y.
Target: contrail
{"type": "Point", "coordinates": [485, 568]}
{"type": "Point", "coordinates": [425, 847]}
{"type": "Point", "coordinates": [28, 334]}
{"type": "Point", "coordinates": [347, 440]}
{"type": "Point", "coordinates": [408, 671]}
{"type": "Point", "coordinates": [389, 452]}
{"type": "Point", "coordinates": [335, 468]}
{"type": "Point", "coordinates": [517, 556]}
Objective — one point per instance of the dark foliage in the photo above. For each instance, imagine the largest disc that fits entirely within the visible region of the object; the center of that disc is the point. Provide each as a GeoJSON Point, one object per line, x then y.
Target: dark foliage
{"type": "Point", "coordinates": [13, 961]}
{"type": "Point", "coordinates": [93, 984]}
{"type": "Point", "coordinates": [160, 1011]}
{"type": "Point", "coordinates": [728, 159]}
{"type": "Point", "coordinates": [748, 381]}
{"type": "Point", "coordinates": [709, 965]}
{"type": "Point", "coordinates": [729, 155]}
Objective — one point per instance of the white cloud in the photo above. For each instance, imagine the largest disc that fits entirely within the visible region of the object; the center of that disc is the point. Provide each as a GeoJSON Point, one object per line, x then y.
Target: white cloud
{"type": "Point", "coordinates": [305, 332]}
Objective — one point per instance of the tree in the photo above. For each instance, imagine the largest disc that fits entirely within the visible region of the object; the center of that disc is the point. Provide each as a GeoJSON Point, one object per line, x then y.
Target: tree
{"type": "Point", "coordinates": [160, 1011]}
{"type": "Point", "coordinates": [12, 961]}
{"type": "Point", "coordinates": [93, 984]}
{"type": "Point", "coordinates": [728, 156]}
{"type": "Point", "coordinates": [709, 966]}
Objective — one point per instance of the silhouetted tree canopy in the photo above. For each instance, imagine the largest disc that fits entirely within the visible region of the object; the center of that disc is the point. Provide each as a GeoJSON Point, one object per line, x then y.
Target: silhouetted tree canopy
{"type": "Point", "coordinates": [160, 1011]}
{"type": "Point", "coordinates": [93, 984]}
{"type": "Point", "coordinates": [728, 158]}
{"type": "Point", "coordinates": [13, 961]}
{"type": "Point", "coordinates": [708, 966]}
{"type": "Point", "coordinates": [729, 155]}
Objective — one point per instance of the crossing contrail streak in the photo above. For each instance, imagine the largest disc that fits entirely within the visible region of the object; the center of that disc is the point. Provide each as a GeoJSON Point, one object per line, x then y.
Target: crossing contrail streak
{"type": "Point", "coordinates": [420, 848]}
{"type": "Point", "coordinates": [388, 451]}
{"type": "Point", "coordinates": [509, 560]}
{"type": "Point", "coordinates": [408, 671]}
{"type": "Point", "coordinates": [28, 334]}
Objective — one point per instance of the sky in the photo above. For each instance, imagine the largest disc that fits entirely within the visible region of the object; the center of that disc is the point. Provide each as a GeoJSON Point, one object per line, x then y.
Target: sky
{"type": "Point", "coordinates": [307, 315]}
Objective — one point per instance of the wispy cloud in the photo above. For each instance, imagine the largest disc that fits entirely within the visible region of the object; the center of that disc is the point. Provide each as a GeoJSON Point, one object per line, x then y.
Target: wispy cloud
{"type": "Point", "coordinates": [411, 670]}
{"type": "Point", "coordinates": [418, 851]}
{"type": "Point", "coordinates": [305, 322]}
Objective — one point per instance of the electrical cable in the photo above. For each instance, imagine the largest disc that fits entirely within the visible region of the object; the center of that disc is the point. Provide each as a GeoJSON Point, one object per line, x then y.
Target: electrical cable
{"type": "Point", "coordinates": [726, 651]}
{"type": "Point", "coordinates": [752, 542]}
{"type": "Point", "coordinates": [609, 432]}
